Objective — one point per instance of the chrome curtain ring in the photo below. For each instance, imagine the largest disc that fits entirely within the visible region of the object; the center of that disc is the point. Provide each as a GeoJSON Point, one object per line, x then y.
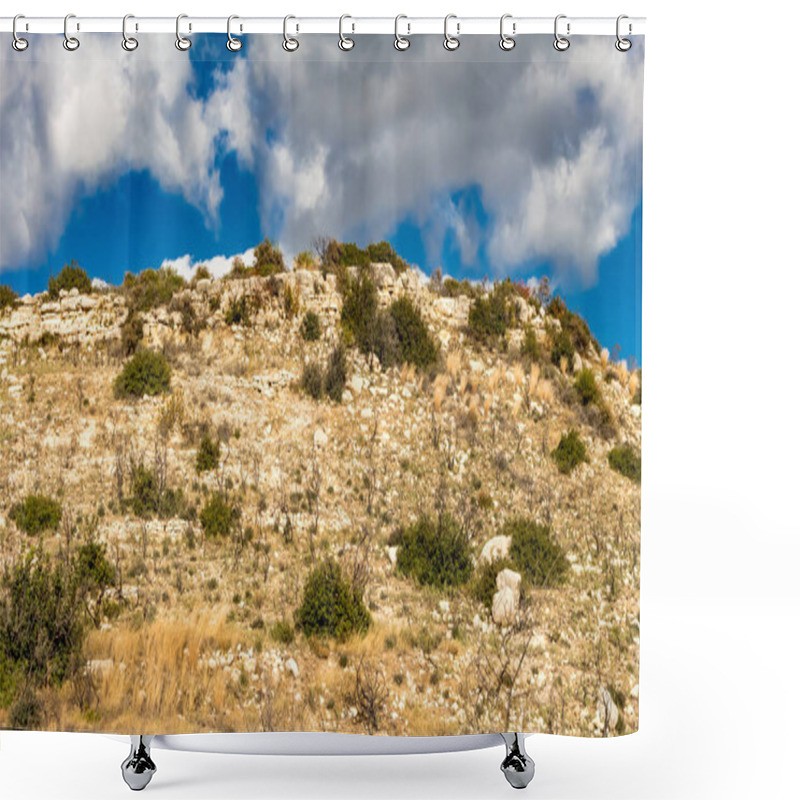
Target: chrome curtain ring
{"type": "Point", "coordinates": [507, 42]}
{"type": "Point", "coordinates": [129, 43]}
{"type": "Point", "coordinates": [290, 44]}
{"type": "Point", "coordinates": [181, 42]}
{"type": "Point", "coordinates": [345, 42]}
{"type": "Point", "coordinates": [623, 45]}
{"type": "Point", "coordinates": [561, 43]}
{"type": "Point", "coordinates": [18, 43]}
{"type": "Point", "coordinates": [450, 42]}
{"type": "Point", "coordinates": [233, 44]}
{"type": "Point", "coordinates": [400, 42]}
{"type": "Point", "coordinates": [70, 43]}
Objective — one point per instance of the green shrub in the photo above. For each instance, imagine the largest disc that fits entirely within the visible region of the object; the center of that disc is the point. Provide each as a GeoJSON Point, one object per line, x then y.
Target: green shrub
{"type": "Point", "coordinates": [384, 253]}
{"type": "Point", "coordinates": [147, 373]}
{"type": "Point", "coordinates": [237, 312]}
{"type": "Point", "coordinates": [336, 373]}
{"type": "Point", "coordinates": [529, 349]}
{"type": "Point", "coordinates": [268, 259]}
{"type": "Point", "coordinates": [586, 387]}
{"type": "Point", "coordinates": [282, 632]}
{"type": "Point", "coordinates": [534, 553]}
{"type": "Point", "coordinates": [36, 514]}
{"type": "Point", "coordinates": [305, 260]}
{"type": "Point", "coordinates": [8, 297]}
{"type": "Point", "coordinates": [435, 552]}
{"type": "Point", "coordinates": [574, 325]}
{"type": "Point", "coordinates": [72, 276]}
{"type": "Point", "coordinates": [145, 493]}
{"type": "Point", "coordinates": [41, 631]}
{"type": "Point", "coordinates": [561, 347]}
{"type": "Point", "coordinates": [627, 461]}
{"type": "Point", "coordinates": [491, 316]}
{"type": "Point", "coordinates": [310, 328]}
{"type": "Point", "coordinates": [463, 288]}
{"type": "Point", "coordinates": [416, 343]}
{"type": "Point", "coordinates": [207, 454]}
{"type": "Point", "coordinates": [359, 310]}
{"type": "Point", "coordinates": [217, 517]}
{"type": "Point", "coordinates": [570, 452]}
{"type": "Point", "coordinates": [484, 582]}
{"type": "Point", "coordinates": [151, 288]}
{"type": "Point", "coordinates": [131, 333]}
{"type": "Point", "coordinates": [330, 606]}
{"type": "Point", "coordinates": [27, 711]}
{"type": "Point", "coordinates": [312, 380]}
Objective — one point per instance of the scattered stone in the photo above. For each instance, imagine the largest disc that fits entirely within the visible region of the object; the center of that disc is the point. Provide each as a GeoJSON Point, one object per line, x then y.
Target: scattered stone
{"type": "Point", "coordinates": [496, 548]}
{"type": "Point", "coordinates": [320, 438]}
{"type": "Point", "coordinates": [291, 666]}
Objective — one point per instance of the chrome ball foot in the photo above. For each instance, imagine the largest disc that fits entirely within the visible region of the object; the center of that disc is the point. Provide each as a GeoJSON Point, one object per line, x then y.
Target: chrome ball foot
{"type": "Point", "coordinates": [138, 768]}
{"type": "Point", "coordinates": [517, 766]}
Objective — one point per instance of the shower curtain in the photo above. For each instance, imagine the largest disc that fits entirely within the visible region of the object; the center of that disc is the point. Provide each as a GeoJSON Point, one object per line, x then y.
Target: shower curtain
{"type": "Point", "coordinates": [320, 385]}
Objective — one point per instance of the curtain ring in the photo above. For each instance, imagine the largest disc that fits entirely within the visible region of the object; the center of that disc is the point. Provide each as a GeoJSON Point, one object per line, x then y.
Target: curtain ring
{"type": "Point", "coordinates": [623, 45]}
{"type": "Point", "coordinates": [129, 43]}
{"type": "Point", "coordinates": [181, 42]}
{"type": "Point", "coordinates": [507, 42]}
{"type": "Point", "coordinates": [400, 42]}
{"type": "Point", "coordinates": [18, 43]}
{"type": "Point", "coordinates": [233, 44]}
{"type": "Point", "coordinates": [561, 43]}
{"type": "Point", "coordinates": [70, 43]}
{"type": "Point", "coordinates": [345, 42]}
{"type": "Point", "coordinates": [451, 42]}
{"type": "Point", "coordinates": [290, 44]}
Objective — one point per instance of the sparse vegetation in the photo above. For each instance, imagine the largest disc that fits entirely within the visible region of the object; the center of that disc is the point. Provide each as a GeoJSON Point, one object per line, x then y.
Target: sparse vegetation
{"type": "Point", "coordinates": [570, 452]}
{"type": "Point", "coordinates": [218, 517]}
{"type": "Point", "coordinates": [72, 276]}
{"type": "Point", "coordinates": [586, 387]}
{"type": "Point", "coordinates": [36, 513]}
{"type": "Point", "coordinates": [310, 328]}
{"type": "Point", "coordinates": [208, 452]}
{"type": "Point", "coordinates": [238, 312]}
{"type": "Point", "coordinates": [151, 288]}
{"type": "Point", "coordinates": [490, 316]}
{"type": "Point", "coordinates": [318, 382]}
{"type": "Point", "coordinates": [331, 606]}
{"type": "Point", "coordinates": [627, 461]}
{"type": "Point", "coordinates": [534, 553]}
{"type": "Point", "coordinates": [435, 552]}
{"type": "Point", "coordinates": [146, 373]}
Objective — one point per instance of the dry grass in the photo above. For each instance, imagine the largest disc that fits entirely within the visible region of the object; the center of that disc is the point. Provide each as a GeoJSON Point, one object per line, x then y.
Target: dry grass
{"type": "Point", "coordinates": [545, 392]}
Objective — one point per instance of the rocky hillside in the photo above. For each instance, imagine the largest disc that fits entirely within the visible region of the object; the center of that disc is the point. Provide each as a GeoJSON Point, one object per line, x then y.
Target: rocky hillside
{"type": "Point", "coordinates": [216, 497]}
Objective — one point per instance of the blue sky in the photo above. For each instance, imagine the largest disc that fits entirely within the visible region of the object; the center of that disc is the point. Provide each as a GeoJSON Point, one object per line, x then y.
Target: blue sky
{"type": "Point", "coordinates": [490, 205]}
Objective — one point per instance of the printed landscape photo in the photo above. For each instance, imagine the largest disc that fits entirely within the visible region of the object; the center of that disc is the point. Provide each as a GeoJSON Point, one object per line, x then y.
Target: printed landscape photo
{"type": "Point", "coordinates": [386, 481]}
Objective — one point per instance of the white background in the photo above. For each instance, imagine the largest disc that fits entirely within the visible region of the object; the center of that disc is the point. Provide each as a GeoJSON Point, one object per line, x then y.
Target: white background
{"type": "Point", "coordinates": [720, 715]}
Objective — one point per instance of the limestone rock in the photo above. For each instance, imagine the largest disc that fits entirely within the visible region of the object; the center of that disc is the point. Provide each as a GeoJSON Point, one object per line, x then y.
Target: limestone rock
{"type": "Point", "coordinates": [497, 547]}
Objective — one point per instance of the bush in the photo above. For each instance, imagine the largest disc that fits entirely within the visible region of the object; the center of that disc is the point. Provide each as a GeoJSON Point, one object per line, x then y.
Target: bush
{"type": "Point", "coordinates": [491, 316]}
{"type": "Point", "coordinates": [313, 380]}
{"type": "Point", "coordinates": [627, 461]}
{"type": "Point", "coordinates": [149, 498]}
{"type": "Point", "coordinates": [310, 328]}
{"type": "Point", "coordinates": [207, 454]}
{"type": "Point", "coordinates": [416, 343]}
{"type": "Point", "coordinates": [586, 387]}
{"type": "Point", "coordinates": [237, 312]}
{"type": "Point", "coordinates": [147, 373]}
{"type": "Point", "coordinates": [217, 517]}
{"type": "Point", "coordinates": [336, 373]}
{"type": "Point", "coordinates": [72, 276]}
{"type": "Point", "coordinates": [561, 347]}
{"type": "Point", "coordinates": [26, 712]}
{"type": "Point", "coordinates": [131, 333]}
{"type": "Point", "coordinates": [570, 452]}
{"type": "Point", "coordinates": [529, 349]}
{"type": "Point", "coordinates": [331, 607]}
{"type": "Point", "coordinates": [435, 552]}
{"type": "Point", "coordinates": [36, 514]}
{"type": "Point", "coordinates": [540, 560]}
{"type": "Point", "coordinates": [8, 297]}
{"type": "Point", "coordinates": [41, 632]}
{"type": "Point", "coordinates": [574, 326]}
{"type": "Point", "coordinates": [282, 632]}
{"type": "Point", "coordinates": [268, 259]}
{"type": "Point", "coordinates": [359, 310]}
{"type": "Point", "coordinates": [151, 288]}
{"type": "Point", "coordinates": [305, 260]}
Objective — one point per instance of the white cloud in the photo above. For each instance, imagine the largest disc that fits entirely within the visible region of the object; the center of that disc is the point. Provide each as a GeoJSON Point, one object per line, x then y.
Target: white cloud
{"type": "Point", "coordinates": [218, 266]}
{"type": "Point", "coordinates": [349, 145]}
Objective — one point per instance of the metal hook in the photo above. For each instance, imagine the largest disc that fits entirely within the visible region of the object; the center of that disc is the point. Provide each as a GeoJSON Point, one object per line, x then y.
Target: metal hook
{"type": "Point", "coordinates": [561, 43]}
{"type": "Point", "coordinates": [345, 42]}
{"type": "Point", "coordinates": [290, 44]}
{"type": "Point", "coordinates": [507, 42]}
{"type": "Point", "coordinates": [451, 42]}
{"type": "Point", "coordinates": [181, 42]}
{"type": "Point", "coordinates": [400, 42]}
{"type": "Point", "coordinates": [18, 43]}
{"type": "Point", "coordinates": [623, 45]}
{"type": "Point", "coordinates": [233, 44]}
{"type": "Point", "coordinates": [70, 43]}
{"type": "Point", "coordinates": [129, 43]}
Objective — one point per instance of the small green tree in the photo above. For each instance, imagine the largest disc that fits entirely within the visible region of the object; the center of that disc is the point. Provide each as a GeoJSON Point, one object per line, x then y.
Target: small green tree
{"type": "Point", "coordinates": [147, 373]}
{"type": "Point", "coordinates": [36, 513]}
{"type": "Point", "coordinates": [217, 517]}
{"type": "Point", "coordinates": [416, 343]}
{"type": "Point", "coordinates": [491, 316]}
{"type": "Point", "coordinates": [534, 552]}
{"type": "Point", "coordinates": [94, 575]}
{"type": "Point", "coordinates": [72, 276]}
{"type": "Point", "coordinates": [268, 259]}
{"type": "Point", "coordinates": [208, 454]}
{"type": "Point", "coordinates": [331, 606]}
{"type": "Point", "coordinates": [435, 552]}
{"type": "Point", "coordinates": [570, 452]}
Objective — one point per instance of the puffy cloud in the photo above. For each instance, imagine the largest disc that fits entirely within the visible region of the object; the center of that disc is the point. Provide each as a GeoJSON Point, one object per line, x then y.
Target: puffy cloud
{"type": "Point", "coordinates": [349, 145]}
{"type": "Point", "coordinates": [218, 266]}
